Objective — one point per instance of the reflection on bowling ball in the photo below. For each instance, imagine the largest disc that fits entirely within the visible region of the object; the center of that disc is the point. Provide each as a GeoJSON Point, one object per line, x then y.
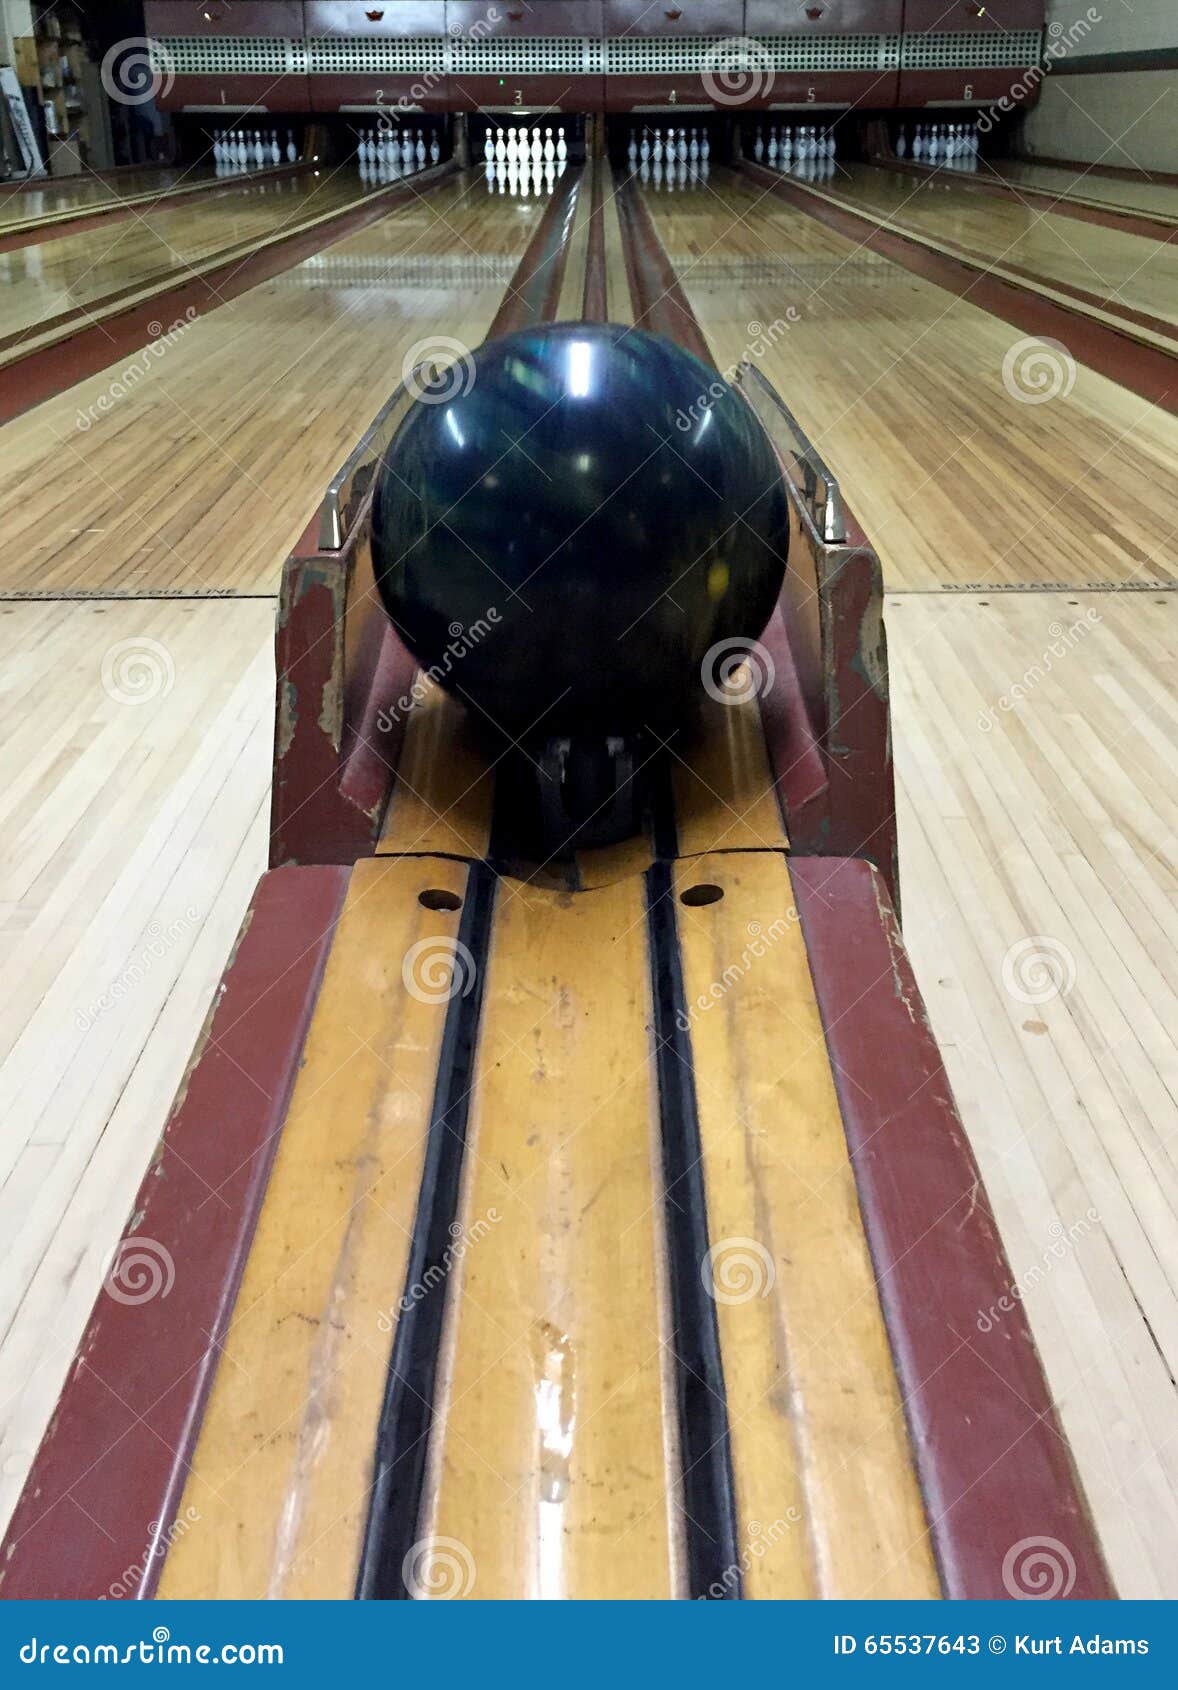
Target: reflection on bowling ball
{"type": "Point", "coordinates": [561, 536]}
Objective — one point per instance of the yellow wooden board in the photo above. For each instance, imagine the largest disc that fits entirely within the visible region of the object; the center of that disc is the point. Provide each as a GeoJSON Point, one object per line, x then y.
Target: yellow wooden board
{"type": "Point", "coordinates": [828, 1504]}
{"type": "Point", "coordinates": [441, 804]}
{"type": "Point", "coordinates": [280, 1479]}
{"type": "Point", "coordinates": [555, 1433]}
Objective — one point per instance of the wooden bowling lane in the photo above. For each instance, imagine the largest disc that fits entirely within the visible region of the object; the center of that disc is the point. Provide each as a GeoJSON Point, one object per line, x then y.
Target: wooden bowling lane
{"type": "Point", "coordinates": [1036, 740]}
{"type": "Point", "coordinates": [1120, 271]}
{"type": "Point", "coordinates": [135, 743]}
{"type": "Point", "coordinates": [78, 195]}
{"type": "Point", "coordinates": [1089, 186]}
{"type": "Point", "coordinates": [963, 471]}
{"type": "Point", "coordinates": [194, 469]}
{"type": "Point", "coordinates": [74, 275]}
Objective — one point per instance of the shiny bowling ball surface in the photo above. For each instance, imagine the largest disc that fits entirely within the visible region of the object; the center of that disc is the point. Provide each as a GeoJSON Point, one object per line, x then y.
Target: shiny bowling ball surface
{"type": "Point", "coordinates": [572, 520]}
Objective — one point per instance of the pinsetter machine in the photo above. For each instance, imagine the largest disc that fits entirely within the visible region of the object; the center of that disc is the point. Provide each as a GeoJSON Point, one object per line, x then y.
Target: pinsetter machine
{"type": "Point", "coordinates": [594, 1226]}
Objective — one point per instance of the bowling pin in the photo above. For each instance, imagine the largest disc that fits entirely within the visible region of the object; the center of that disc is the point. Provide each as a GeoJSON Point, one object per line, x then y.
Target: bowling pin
{"type": "Point", "coordinates": [644, 150]}
{"type": "Point", "coordinates": [693, 149]}
{"type": "Point", "coordinates": [705, 149]}
{"type": "Point", "coordinates": [500, 147]}
{"type": "Point", "coordinates": [435, 151]}
{"type": "Point", "coordinates": [656, 152]}
{"type": "Point", "coordinates": [902, 143]}
{"type": "Point", "coordinates": [759, 147]}
{"type": "Point", "coordinates": [420, 148]}
{"type": "Point", "coordinates": [488, 146]}
{"type": "Point", "coordinates": [292, 152]}
{"type": "Point", "coordinates": [772, 149]}
{"type": "Point", "coordinates": [562, 152]}
{"type": "Point", "coordinates": [632, 149]}
{"type": "Point", "coordinates": [550, 146]}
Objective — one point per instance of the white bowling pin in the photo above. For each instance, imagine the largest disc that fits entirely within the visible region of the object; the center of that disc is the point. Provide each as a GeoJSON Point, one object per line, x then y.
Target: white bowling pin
{"type": "Point", "coordinates": [562, 152]}
{"type": "Point", "coordinates": [759, 146]}
{"type": "Point", "coordinates": [550, 146]}
{"type": "Point", "coordinates": [488, 146]}
{"type": "Point", "coordinates": [435, 151]}
{"type": "Point", "coordinates": [292, 152]}
{"type": "Point", "coordinates": [772, 148]}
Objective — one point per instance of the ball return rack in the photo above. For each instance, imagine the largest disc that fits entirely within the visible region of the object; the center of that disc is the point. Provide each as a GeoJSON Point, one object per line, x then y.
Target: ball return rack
{"type": "Point", "coordinates": [596, 1228]}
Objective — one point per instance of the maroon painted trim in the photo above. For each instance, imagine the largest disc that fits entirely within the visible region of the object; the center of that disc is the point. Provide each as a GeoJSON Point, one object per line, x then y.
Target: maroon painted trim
{"type": "Point", "coordinates": [38, 376]}
{"type": "Point", "coordinates": [533, 294]}
{"type": "Point", "coordinates": [1124, 222]}
{"type": "Point", "coordinates": [1145, 370]}
{"type": "Point", "coordinates": [993, 1464]}
{"type": "Point", "coordinates": [656, 294]}
{"type": "Point", "coordinates": [93, 1517]}
{"type": "Point", "coordinates": [43, 229]}
{"type": "Point", "coordinates": [595, 301]}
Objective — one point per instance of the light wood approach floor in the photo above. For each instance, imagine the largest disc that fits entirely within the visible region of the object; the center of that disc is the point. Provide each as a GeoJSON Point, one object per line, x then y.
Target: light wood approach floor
{"type": "Point", "coordinates": [1119, 193]}
{"type": "Point", "coordinates": [194, 469]}
{"type": "Point", "coordinates": [936, 417]}
{"type": "Point", "coordinates": [134, 769]}
{"type": "Point", "coordinates": [1036, 745]}
{"type": "Point", "coordinates": [1128, 270]}
{"type": "Point", "coordinates": [157, 244]}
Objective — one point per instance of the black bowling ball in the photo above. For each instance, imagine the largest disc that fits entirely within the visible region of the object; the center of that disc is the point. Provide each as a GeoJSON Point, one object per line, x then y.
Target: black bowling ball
{"type": "Point", "coordinates": [568, 521]}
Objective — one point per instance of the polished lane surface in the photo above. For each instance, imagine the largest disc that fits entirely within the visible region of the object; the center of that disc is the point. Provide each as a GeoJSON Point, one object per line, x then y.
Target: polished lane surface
{"type": "Point", "coordinates": [1122, 270]}
{"type": "Point", "coordinates": [155, 246]}
{"type": "Point", "coordinates": [973, 455]}
{"type": "Point", "coordinates": [196, 468]}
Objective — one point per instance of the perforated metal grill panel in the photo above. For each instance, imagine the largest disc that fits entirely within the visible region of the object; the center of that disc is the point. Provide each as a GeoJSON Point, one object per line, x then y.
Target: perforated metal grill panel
{"type": "Point", "coordinates": [973, 50]}
{"type": "Point", "coordinates": [228, 55]}
{"type": "Point", "coordinates": [256, 55]}
{"type": "Point", "coordinates": [405, 55]}
{"type": "Point", "coordinates": [648, 55]}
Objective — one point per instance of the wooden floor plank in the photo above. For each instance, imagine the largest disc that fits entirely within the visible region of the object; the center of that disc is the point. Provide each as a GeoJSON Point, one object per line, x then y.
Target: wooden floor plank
{"type": "Point", "coordinates": [1037, 845]}
{"type": "Point", "coordinates": [828, 1503]}
{"type": "Point", "coordinates": [283, 1468]}
{"type": "Point", "coordinates": [554, 1437]}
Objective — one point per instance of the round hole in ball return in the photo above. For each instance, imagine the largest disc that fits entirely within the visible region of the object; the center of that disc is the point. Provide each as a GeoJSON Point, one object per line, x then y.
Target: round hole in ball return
{"type": "Point", "coordinates": [705, 893]}
{"type": "Point", "coordinates": [437, 898]}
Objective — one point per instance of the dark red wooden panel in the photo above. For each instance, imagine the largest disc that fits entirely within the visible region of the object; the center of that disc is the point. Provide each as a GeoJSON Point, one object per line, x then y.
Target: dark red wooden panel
{"type": "Point", "coordinates": [673, 17]}
{"type": "Point", "coordinates": [994, 1468]}
{"type": "Point", "coordinates": [665, 89]}
{"type": "Point", "coordinates": [514, 17]}
{"type": "Point", "coordinates": [375, 17]}
{"type": "Point", "coordinates": [266, 93]}
{"type": "Point", "coordinates": [946, 17]}
{"type": "Point", "coordinates": [974, 87]}
{"type": "Point", "coordinates": [224, 17]}
{"type": "Point", "coordinates": [93, 1518]}
{"type": "Point", "coordinates": [428, 92]}
{"type": "Point", "coordinates": [832, 88]}
{"type": "Point", "coordinates": [823, 17]}
{"type": "Point", "coordinates": [525, 93]}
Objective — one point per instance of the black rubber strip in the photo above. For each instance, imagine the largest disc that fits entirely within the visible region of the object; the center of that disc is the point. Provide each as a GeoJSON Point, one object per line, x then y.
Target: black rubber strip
{"type": "Point", "coordinates": [407, 1415]}
{"type": "Point", "coordinates": [709, 1498]}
